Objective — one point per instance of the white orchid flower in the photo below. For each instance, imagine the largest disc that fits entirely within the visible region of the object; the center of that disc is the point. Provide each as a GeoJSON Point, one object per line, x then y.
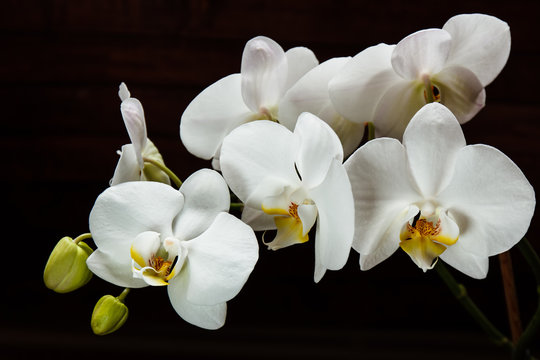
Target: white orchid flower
{"type": "Point", "coordinates": [433, 196]}
{"type": "Point", "coordinates": [288, 181]}
{"type": "Point", "coordinates": [253, 94]}
{"type": "Point", "coordinates": [310, 94]}
{"type": "Point", "coordinates": [131, 166]}
{"type": "Point", "coordinates": [388, 84]}
{"type": "Point", "coordinates": [148, 233]}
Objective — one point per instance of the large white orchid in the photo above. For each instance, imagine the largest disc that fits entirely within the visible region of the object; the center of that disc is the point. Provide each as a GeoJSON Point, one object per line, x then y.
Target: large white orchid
{"type": "Point", "coordinates": [388, 84]}
{"type": "Point", "coordinates": [131, 165]}
{"type": "Point", "coordinates": [310, 94]}
{"type": "Point", "coordinates": [289, 181]}
{"type": "Point", "coordinates": [253, 94]}
{"type": "Point", "coordinates": [433, 196]}
{"type": "Point", "coordinates": [148, 233]}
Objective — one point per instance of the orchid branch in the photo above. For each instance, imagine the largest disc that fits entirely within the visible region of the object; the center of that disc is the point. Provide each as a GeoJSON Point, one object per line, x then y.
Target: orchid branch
{"type": "Point", "coordinates": [534, 325]}
{"type": "Point", "coordinates": [460, 292]}
{"type": "Point", "coordinates": [82, 237]}
{"type": "Point", "coordinates": [512, 305]}
{"type": "Point", "coordinates": [165, 169]}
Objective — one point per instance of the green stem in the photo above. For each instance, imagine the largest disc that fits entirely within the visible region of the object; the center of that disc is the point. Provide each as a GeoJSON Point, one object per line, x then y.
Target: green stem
{"type": "Point", "coordinates": [82, 237]}
{"type": "Point", "coordinates": [531, 257]}
{"type": "Point", "coordinates": [165, 169]}
{"type": "Point", "coordinates": [528, 336]}
{"type": "Point", "coordinates": [123, 295]}
{"type": "Point", "coordinates": [460, 292]}
{"type": "Point", "coordinates": [237, 206]}
{"type": "Point", "coordinates": [371, 130]}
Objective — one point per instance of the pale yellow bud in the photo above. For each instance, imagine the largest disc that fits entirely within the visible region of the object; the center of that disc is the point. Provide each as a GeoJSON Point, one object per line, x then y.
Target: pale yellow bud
{"type": "Point", "coordinates": [109, 314]}
{"type": "Point", "coordinates": [66, 268]}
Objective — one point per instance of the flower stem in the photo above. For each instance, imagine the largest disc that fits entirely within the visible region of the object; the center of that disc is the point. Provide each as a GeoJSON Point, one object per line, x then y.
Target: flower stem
{"type": "Point", "coordinates": [82, 237]}
{"type": "Point", "coordinates": [165, 169]}
{"type": "Point", "coordinates": [371, 130]}
{"type": "Point", "coordinates": [237, 206]}
{"type": "Point", "coordinates": [512, 306]}
{"type": "Point", "coordinates": [460, 292]}
{"type": "Point", "coordinates": [533, 328]}
{"type": "Point", "coordinates": [123, 295]}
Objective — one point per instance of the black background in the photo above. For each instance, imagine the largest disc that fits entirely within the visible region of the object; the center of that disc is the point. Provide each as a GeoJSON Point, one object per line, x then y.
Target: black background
{"type": "Point", "coordinates": [60, 66]}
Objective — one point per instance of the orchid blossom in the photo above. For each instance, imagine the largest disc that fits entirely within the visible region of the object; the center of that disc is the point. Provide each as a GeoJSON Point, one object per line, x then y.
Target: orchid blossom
{"type": "Point", "coordinates": [435, 197]}
{"type": "Point", "coordinates": [148, 233]}
{"type": "Point", "coordinates": [290, 180]}
{"type": "Point", "coordinates": [310, 94]}
{"type": "Point", "coordinates": [131, 166]}
{"type": "Point", "coordinates": [388, 84]}
{"type": "Point", "coordinates": [254, 94]}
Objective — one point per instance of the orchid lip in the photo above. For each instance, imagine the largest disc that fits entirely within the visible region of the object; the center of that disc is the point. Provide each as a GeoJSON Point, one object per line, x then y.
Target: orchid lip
{"type": "Point", "coordinates": [159, 262]}
{"type": "Point", "coordinates": [425, 238]}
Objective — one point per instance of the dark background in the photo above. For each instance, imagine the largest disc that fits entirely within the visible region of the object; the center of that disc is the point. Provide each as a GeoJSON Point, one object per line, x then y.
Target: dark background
{"type": "Point", "coordinates": [60, 66]}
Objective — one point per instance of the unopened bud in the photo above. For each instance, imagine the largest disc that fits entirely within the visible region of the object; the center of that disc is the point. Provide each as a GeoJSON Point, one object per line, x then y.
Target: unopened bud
{"type": "Point", "coordinates": [66, 268]}
{"type": "Point", "coordinates": [109, 314]}
{"type": "Point", "coordinates": [152, 172]}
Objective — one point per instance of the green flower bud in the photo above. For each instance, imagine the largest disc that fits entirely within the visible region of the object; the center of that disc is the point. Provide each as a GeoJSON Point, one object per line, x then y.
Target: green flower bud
{"type": "Point", "coordinates": [152, 172]}
{"type": "Point", "coordinates": [109, 314]}
{"type": "Point", "coordinates": [66, 268]}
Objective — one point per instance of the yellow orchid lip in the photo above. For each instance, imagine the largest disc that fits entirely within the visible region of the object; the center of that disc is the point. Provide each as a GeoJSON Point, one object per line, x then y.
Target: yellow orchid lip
{"type": "Point", "coordinates": [289, 227]}
{"type": "Point", "coordinates": [158, 270]}
{"type": "Point", "coordinates": [424, 242]}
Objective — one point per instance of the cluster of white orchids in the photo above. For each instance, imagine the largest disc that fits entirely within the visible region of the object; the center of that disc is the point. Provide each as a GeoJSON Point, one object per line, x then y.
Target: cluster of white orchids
{"type": "Point", "coordinates": [284, 136]}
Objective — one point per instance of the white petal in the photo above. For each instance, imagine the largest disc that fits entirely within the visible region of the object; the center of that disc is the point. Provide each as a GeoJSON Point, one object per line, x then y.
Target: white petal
{"type": "Point", "coordinates": [388, 243]}
{"type": "Point", "coordinates": [255, 151]}
{"type": "Point", "coordinates": [335, 224]}
{"type": "Point", "coordinates": [124, 211]}
{"type": "Point", "coordinates": [300, 60]}
{"type": "Point", "coordinates": [209, 317]}
{"type": "Point", "coordinates": [318, 147]}
{"type": "Point", "coordinates": [205, 196]}
{"type": "Point", "coordinates": [461, 92]}
{"type": "Point", "coordinates": [123, 92]}
{"type": "Point", "coordinates": [388, 240]}
{"type": "Point", "coordinates": [424, 52]}
{"type": "Point", "coordinates": [258, 219]}
{"type": "Point", "coordinates": [396, 108]}
{"type": "Point", "coordinates": [358, 87]}
{"type": "Point", "coordinates": [220, 261]}
{"type": "Point", "coordinates": [270, 193]}
{"type": "Point", "coordinates": [468, 263]}
{"type": "Point", "coordinates": [311, 94]}
{"type": "Point", "coordinates": [382, 188]}
{"type": "Point", "coordinates": [114, 269]}
{"type": "Point", "coordinates": [433, 140]}
{"type": "Point", "coordinates": [480, 43]}
{"type": "Point", "coordinates": [264, 73]}
{"type": "Point", "coordinates": [307, 214]}
{"type": "Point", "coordinates": [490, 199]}
{"type": "Point", "coordinates": [127, 168]}
{"type": "Point", "coordinates": [133, 115]}
{"type": "Point", "coordinates": [144, 247]}
{"type": "Point", "coordinates": [212, 115]}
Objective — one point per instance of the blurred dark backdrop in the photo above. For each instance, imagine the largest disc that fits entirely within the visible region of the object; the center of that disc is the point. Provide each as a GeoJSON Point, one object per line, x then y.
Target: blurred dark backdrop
{"type": "Point", "coordinates": [60, 66]}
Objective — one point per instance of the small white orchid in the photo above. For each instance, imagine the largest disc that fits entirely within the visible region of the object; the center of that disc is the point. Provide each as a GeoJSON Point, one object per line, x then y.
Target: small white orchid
{"type": "Point", "coordinates": [388, 84]}
{"type": "Point", "coordinates": [253, 94]}
{"type": "Point", "coordinates": [131, 166]}
{"type": "Point", "coordinates": [289, 181]}
{"type": "Point", "coordinates": [148, 233]}
{"type": "Point", "coordinates": [435, 197]}
{"type": "Point", "coordinates": [310, 94]}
